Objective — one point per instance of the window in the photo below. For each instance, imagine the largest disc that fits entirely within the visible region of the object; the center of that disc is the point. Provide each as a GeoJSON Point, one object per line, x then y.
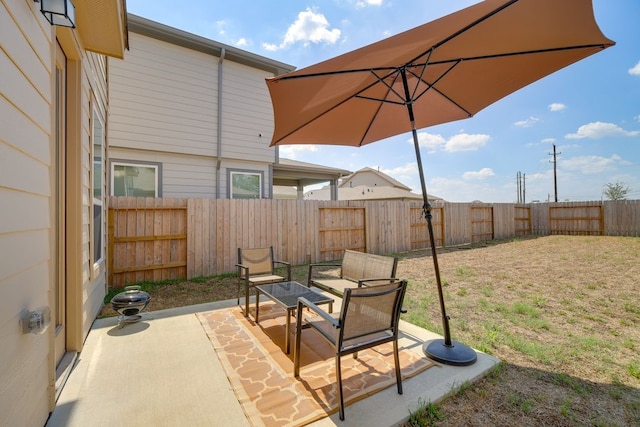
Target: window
{"type": "Point", "coordinates": [135, 179]}
{"type": "Point", "coordinates": [246, 185]}
{"type": "Point", "coordinates": [98, 185]}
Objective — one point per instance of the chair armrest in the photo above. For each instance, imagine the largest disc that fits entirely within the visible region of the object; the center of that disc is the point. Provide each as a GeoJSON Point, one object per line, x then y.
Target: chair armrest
{"type": "Point", "coordinates": [303, 302]}
{"type": "Point", "coordinates": [243, 272]}
{"type": "Point", "coordinates": [286, 264]}
{"type": "Point", "coordinates": [312, 266]}
{"type": "Point", "coordinates": [365, 282]}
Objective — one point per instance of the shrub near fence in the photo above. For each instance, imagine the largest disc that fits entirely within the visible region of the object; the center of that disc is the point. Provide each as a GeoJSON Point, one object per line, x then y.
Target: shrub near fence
{"type": "Point", "coordinates": [166, 238]}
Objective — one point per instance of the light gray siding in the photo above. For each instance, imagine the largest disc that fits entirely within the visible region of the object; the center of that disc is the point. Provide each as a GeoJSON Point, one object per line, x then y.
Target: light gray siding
{"type": "Point", "coordinates": [246, 113]}
{"type": "Point", "coordinates": [164, 105]}
{"type": "Point", "coordinates": [163, 98]}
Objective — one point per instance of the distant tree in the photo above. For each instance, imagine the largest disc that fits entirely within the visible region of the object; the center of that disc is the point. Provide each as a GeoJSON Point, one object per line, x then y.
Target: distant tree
{"type": "Point", "coordinates": [617, 191]}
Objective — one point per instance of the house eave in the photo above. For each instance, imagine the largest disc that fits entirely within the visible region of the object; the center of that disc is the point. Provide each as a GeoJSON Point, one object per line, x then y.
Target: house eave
{"type": "Point", "coordinates": [102, 26]}
{"type": "Point", "coordinates": [158, 31]}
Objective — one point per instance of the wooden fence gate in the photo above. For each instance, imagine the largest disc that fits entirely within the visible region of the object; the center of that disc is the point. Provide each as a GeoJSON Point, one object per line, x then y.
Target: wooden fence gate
{"type": "Point", "coordinates": [147, 241]}
{"type": "Point", "coordinates": [481, 223]}
{"type": "Point", "coordinates": [577, 220]}
{"type": "Point", "coordinates": [522, 218]}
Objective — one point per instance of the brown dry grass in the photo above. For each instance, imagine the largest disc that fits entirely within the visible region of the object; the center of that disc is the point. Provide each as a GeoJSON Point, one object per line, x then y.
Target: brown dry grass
{"type": "Point", "coordinates": [561, 312]}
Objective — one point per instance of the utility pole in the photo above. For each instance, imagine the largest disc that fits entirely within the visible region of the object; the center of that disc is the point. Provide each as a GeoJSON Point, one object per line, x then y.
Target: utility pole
{"type": "Point", "coordinates": [520, 187]}
{"type": "Point", "coordinates": [555, 176]}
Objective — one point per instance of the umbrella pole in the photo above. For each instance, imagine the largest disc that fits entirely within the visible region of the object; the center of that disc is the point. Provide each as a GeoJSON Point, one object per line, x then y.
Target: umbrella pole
{"type": "Point", "coordinates": [441, 350]}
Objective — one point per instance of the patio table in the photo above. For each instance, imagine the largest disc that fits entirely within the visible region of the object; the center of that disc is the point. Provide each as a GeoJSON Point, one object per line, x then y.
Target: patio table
{"type": "Point", "coordinates": [286, 295]}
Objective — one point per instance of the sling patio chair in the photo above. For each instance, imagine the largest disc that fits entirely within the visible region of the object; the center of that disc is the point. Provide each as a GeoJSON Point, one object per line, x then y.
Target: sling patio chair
{"type": "Point", "coordinates": [256, 266]}
{"type": "Point", "coordinates": [369, 317]}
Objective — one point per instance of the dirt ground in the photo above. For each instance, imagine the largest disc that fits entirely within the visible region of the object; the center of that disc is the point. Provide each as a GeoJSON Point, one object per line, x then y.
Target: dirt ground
{"type": "Point", "coordinates": [561, 312]}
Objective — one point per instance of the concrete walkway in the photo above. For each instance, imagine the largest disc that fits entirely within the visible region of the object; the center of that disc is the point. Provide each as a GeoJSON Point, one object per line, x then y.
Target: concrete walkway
{"type": "Point", "coordinates": [162, 371]}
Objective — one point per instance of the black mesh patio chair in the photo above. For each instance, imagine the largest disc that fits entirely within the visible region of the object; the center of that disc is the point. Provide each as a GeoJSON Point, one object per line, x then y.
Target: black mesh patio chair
{"type": "Point", "coordinates": [256, 266]}
{"type": "Point", "coordinates": [369, 317]}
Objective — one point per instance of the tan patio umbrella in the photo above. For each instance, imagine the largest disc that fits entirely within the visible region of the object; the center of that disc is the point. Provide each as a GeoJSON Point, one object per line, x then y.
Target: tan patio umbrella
{"type": "Point", "coordinates": [442, 71]}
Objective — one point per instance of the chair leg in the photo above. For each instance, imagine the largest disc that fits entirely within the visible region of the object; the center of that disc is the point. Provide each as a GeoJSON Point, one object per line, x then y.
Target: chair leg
{"type": "Point", "coordinates": [339, 384]}
{"type": "Point", "coordinates": [396, 359]}
{"type": "Point", "coordinates": [246, 300]}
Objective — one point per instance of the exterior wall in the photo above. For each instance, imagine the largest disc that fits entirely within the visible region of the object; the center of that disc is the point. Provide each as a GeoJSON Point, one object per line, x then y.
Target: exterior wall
{"type": "Point", "coordinates": [163, 98]}
{"type": "Point", "coordinates": [28, 231]}
{"type": "Point", "coordinates": [164, 109]}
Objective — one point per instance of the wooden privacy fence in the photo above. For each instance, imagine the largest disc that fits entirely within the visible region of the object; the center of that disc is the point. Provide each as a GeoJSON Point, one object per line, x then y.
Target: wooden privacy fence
{"type": "Point", "coordinates": [157, 239]}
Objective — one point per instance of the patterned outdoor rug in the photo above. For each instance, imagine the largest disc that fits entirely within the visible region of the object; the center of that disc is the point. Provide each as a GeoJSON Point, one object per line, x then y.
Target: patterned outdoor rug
{"type": "Point", "coordinates": [261, 374]}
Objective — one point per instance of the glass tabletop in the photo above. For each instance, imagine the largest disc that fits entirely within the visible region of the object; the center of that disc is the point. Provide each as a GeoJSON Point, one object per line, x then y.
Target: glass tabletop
{"type": "Point", "coordinates": [287, 293]}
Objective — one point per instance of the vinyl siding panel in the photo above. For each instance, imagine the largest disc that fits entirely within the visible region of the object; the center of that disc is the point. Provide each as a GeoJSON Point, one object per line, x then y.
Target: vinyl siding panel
{"type": "Point", "coordinates": [182, 175]}
{"type": "Point", "coordinates": [246, 113]}
{"type": "Point", "coordinates": [25, 233]}
{"type": "Point", "coordinates": [18, 130]}
{"type": "Point", "coordinates": [164, 97]}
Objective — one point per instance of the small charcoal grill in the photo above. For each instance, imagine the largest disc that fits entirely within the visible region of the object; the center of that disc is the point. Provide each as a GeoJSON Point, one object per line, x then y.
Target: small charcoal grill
{"type": "Point", "coordinates": [129, 304]}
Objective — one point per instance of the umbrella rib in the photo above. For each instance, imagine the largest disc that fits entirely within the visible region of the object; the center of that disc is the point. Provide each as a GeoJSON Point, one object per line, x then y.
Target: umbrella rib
{"type": "Point", "coordinates": [522, 53]}
{"type": "Point", "coordinates": [468, 27]}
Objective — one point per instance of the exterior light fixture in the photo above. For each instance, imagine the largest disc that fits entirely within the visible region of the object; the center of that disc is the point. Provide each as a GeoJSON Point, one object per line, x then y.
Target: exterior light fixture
{"type": "Point", "coordinates": [59, 12]}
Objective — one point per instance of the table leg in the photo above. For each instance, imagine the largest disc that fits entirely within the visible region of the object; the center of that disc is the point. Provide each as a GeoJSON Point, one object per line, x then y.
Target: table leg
{"type": "Point", "coordinates": [287, 332]}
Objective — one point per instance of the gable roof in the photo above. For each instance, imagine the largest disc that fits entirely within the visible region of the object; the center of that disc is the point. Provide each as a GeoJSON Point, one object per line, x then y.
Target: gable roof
{"type": "Point", "coordinates": [371, 177]}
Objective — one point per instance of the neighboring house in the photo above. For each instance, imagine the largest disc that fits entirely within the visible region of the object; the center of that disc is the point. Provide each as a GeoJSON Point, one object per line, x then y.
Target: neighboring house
{"type": "Point", "coordinates": [191, 117]}
{"type": "Point", "coordinates": [54, 120]}
{"type": "Point", "coordinates": [369, 184]}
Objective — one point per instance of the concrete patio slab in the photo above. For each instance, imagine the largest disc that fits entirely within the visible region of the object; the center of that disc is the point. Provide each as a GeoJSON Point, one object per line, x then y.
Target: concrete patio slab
{"type": "Point", "coordinates": [162, 371]}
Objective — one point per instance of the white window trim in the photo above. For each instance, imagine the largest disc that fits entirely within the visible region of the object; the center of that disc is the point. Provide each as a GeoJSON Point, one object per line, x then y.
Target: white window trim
{"type": "Point", "coordinates": [259, 174]}
{"type": "Point", "coordinates": [96, 116]}
{"type": "Point", "coordinates": [156, 166]}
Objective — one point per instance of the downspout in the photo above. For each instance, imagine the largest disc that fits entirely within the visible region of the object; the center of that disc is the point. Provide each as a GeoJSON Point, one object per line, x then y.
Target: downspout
{"type": "Point", "coordinates": [219, 136]}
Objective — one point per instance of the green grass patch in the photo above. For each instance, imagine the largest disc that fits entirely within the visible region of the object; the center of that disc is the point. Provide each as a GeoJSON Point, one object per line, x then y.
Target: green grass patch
{"type": "Point", "coordinates": [427, 414]}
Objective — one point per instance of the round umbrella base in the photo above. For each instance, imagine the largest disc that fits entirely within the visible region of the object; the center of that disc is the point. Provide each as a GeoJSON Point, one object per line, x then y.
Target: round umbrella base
{"type": "Point", "coordinates": [455, 354]}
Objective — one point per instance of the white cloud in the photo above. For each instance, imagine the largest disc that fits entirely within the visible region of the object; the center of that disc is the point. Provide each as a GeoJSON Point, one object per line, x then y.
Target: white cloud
{"type": "Point", "coordinates": [309, 27]}
{"type": "Point", "coordinates": [557, 106]}
{"type": "Point", "coordinates": [365, 3]}
{"type": "Point", "coordinates": [429, 140]}
{"type": "Point", "coordinates": [466, 142]}
{"type": "Point", "coordinates": [635, 71]}
{"type": "Point", "coordinates": [597, 130]}
{"type": "Point", "coordinates": [269, 47]}
{"type": "Point", "coordinates": [242, 42]}
{"type": "Point", "coordinates": [406, 174]}
{"type": "Point", "coordinates": [221, 26]}
{"type": "Point", "coordinates": [591, 164]}
{"type": "Point", "coordinates": [292, 151]}
{"type": "Point", "coordinates": [528, 122]}
{"type": "Point", "coordinates": [548, 140]}
{"type": "Point", "coordinates": [637, 118]}
{"type": "Point", "coordinates": [481, 174]}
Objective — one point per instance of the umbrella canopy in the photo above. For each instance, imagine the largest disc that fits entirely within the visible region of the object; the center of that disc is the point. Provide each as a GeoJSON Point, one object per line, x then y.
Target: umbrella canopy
{"type": "Point", "coordinates": [454, 67]}
{"type": "Point", "coordinates": [445, 70]}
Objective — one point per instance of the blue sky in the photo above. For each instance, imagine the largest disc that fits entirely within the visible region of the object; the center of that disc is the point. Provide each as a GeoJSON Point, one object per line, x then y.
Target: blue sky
{"type": "Point", "coordinates": [589, 110]}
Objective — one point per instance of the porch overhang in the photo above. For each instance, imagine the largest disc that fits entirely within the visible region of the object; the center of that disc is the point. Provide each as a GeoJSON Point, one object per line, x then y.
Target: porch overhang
{"type": "Point", "coordinates": [102, 26]}
{"type": "Point", "coordinates": [293, 173]}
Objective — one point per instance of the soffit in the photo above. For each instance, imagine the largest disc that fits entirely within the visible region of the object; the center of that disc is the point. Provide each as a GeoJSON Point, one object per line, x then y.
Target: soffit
{"type": "Point", "coordinates": [102, 25]}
